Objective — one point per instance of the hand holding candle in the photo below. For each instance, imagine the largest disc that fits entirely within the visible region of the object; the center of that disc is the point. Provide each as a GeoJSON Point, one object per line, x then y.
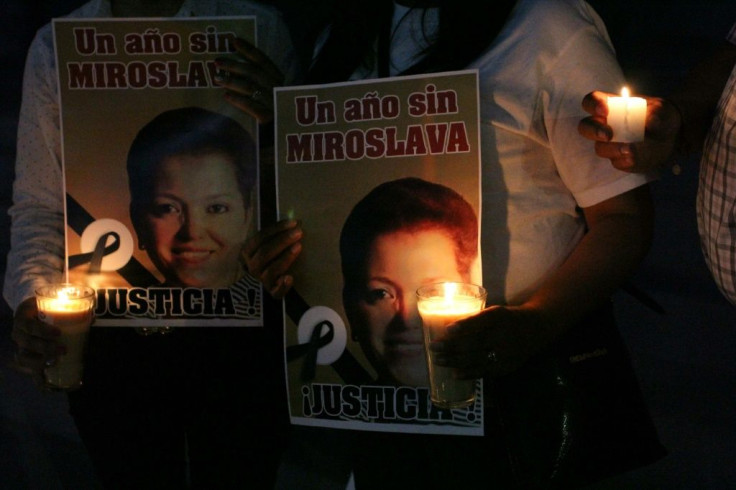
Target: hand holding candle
{"type": "Point", "coordinates": [663, 125]}
{"type": "Point", "coordinates": [441, 305]}
{"type": "Point", "coordinates": [627, 117]}
{"type": "Point", "coordinates": [70, 308]}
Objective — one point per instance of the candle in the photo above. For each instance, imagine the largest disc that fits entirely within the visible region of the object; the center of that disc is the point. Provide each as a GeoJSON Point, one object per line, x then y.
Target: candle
{"type": "Point", "coordinates": [441, 305]}
{"type": "Point", "coordinates": [627, 116]}
{"type": "Point", "coordinates": [70, 308]}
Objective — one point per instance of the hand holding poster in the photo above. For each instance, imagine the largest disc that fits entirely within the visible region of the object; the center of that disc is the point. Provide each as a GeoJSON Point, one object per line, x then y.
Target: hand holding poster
{"type": "Point", "coordinates": [160, 172]}
{"type": "Point", "coordinates": [384, 176]}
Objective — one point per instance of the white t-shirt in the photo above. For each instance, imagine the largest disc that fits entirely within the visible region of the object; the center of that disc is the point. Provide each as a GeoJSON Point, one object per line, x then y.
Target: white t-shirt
{"type": "Point", "coordinates": [537, 171]}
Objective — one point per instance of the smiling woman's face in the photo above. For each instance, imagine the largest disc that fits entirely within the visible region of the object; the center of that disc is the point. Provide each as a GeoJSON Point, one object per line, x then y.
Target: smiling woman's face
{"type": "Point", "coordinates": [197, 222]}
{"type": "Point", "coordinates": [386, 320]}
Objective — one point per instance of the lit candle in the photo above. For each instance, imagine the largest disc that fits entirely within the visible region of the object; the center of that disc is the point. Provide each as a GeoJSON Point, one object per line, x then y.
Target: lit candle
{"type": "Point", "coordinates": [441, 305]}
{"type": "Point", "coordinates": [627, 116]}
{"type": "Point", "coordinates": [70, 308]}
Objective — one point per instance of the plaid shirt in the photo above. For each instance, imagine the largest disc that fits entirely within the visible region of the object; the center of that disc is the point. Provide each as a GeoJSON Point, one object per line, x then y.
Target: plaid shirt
{"type": "Point", "coordinates": [716, 202]}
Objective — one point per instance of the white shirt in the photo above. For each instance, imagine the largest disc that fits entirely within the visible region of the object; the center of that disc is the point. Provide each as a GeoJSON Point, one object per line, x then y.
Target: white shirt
{"type": "Point", "coordinates": [537, 171]}
{"type": "Point", "coordinates": [716, 201]}
{"type": "Point", "coordinates": [36, 254]}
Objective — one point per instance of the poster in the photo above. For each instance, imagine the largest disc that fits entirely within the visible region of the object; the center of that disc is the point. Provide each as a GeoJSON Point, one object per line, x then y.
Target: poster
{"type": "Point", "coordinates": [361, 165]}
{"type": "Point", "coordinates": [160, 172]}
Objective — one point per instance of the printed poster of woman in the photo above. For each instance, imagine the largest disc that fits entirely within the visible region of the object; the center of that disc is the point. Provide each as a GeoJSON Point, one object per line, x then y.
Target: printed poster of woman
{"type": "Point", "coordinates": [161, 173]}
{"type": "Point", "coordinates": [384, 176]}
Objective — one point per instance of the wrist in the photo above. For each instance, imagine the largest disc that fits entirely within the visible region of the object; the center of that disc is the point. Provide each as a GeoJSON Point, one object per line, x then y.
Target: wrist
{"type": "Point", "coordinates": [682, 146]}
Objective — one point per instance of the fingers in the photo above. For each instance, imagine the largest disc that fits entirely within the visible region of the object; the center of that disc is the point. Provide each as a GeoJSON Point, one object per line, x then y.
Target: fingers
{"type": "Point", "coordinates": [281, 287]}
{"type": "Point", "coordinates": [496, 342]}
{"type": "Point", "coordinates": [466, 347]}
{"type": "Point", "coordinates": [244, 93]}
{"type": "Point", "coordinates": [622, 155]}
{"type": "Point", "coordinates": [275, 277]}
{"type": "Point", "coordinates": [31, 364]}
{"type": "Point", "coordinates": [596, 103]}
{"type": "Point", "coordinates": [253, 66]}
{"type": "Point", "coordinates": [37, 343]}
{"type": "Point", "coordinates": [270, 254]}
{"type": "Point", "coordinates": [269, 70]}
{"type": "Point", "coordinates": [257, 107]}
{"type": "Point", "coordinates": [45, 345]}
{"type": "Point", "coordinates": [470, 364]}
{"type": "Point", "coordinates": [287, 231]}
{"type": "Point", "coordinates": [595, 128]}
{"type": "Point", "coordinates": [249, 80]}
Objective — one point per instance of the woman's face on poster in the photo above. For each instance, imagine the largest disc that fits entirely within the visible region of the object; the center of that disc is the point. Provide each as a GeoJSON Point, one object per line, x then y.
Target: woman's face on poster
{"type": "Point", "coordinates": [387, 323]}
{"type": "Point", "coordinates": [197, 221]}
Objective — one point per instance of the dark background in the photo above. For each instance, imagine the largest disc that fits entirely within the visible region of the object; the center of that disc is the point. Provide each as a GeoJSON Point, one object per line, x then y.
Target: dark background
{"type": "Point", "coordinates": [684, 358]}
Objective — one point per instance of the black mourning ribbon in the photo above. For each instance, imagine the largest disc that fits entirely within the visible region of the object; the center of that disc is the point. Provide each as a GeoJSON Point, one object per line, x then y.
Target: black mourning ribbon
{"type": "Point", "coordinates": [310, 350]}
{"type": "Point", "coordinates": [346, 366]}
{"type": "Point", "coordinates": [134, 272]}
{"type": "Point", "coordinates": [95, 256]}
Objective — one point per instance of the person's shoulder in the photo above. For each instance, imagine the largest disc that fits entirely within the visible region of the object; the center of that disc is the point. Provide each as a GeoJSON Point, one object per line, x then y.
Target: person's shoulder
{"type": "Point", "coordinates": [261, 10]}
{"type": "Point", "coordinates": [44, 35]}
{"type": "Point", "coordinates": [553, 23]}
{"type": "Point", "coordinates": [556, 12]}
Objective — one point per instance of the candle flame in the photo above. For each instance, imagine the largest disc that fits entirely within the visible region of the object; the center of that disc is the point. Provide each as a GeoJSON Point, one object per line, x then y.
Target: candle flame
{"type": "Point", "coordinates": [68, 293]}
{"type": "Point", "coordinates": [625, 92]}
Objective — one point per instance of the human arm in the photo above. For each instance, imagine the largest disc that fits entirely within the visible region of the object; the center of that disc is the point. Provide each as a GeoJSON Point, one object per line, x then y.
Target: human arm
{"type": "Point", "coordinates": [539, 304]}
{"type": "Point", "coordinates": [716, 195]}
{"type": "Point", "coordinates": [618, 237]}
{"type": "Point", "coordinates": [36, 255]}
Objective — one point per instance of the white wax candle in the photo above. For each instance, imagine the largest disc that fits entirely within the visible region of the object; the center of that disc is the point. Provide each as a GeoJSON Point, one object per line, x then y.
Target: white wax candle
{"type": "Point", "coordinates": [627, 116]}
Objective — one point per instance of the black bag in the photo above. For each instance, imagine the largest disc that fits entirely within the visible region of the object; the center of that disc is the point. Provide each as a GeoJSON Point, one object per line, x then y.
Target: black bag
{"type": "Point", "coordinates": [575, 413]}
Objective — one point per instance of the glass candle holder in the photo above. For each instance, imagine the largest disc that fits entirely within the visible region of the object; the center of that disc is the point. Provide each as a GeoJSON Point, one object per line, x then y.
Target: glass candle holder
{"type": "Point", "coordinates": [441, 305]}
{"type": "Point", "coordinates": [70, 308]}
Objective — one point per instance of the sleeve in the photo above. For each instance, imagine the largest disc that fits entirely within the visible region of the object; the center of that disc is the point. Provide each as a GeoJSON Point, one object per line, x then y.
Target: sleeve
{"type": "Point", "coordinates": [36, 253]}
{"type": "Point", "coordinates": [585, 61]}
{"type": "Point", "coordinates": [716, 199]}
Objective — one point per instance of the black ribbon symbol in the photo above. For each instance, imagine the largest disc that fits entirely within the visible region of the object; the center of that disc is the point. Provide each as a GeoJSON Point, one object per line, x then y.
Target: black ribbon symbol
{"type": "Point", "coordinates": [346, 366]}
{"type": "Point", "coordinates": [95, 256]}
{"type": "Point", "coordinates": [310, 349]}
{"type": "Point", "coordinates": [134, 272]}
